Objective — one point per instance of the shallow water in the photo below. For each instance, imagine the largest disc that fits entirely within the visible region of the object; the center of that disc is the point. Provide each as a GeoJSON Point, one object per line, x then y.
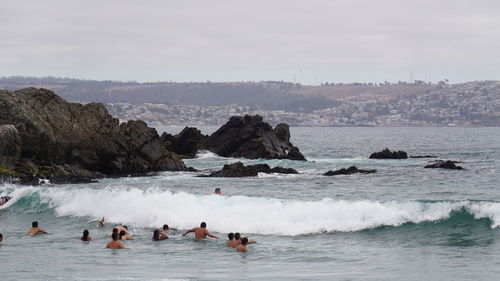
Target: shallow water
{"type": "Point", "coordinates": [402, 223]}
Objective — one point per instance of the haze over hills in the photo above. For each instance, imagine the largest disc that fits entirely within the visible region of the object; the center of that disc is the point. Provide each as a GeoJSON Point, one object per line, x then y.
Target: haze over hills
{"type": "Point", "coordinates": [343, 104]}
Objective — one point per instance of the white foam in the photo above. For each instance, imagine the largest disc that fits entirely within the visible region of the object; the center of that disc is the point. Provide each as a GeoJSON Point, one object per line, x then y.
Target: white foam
{"type": "Point", "coordinates": [155, 207]}
{"type": "Point", "coordinates": [205, 154]}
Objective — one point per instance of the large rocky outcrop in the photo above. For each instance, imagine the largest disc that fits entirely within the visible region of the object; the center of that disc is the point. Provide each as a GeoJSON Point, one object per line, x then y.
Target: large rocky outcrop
{"type": "Point", "coordinates": [239, 170]}
{"type": "Point", "coordinates": [387, 154]}
{"type": "Point", "coordinates": [186, 143]}
{"type": "Point", "coordinates": [79, 139]}
{"type": "Point", "coordinates": [250, 137]}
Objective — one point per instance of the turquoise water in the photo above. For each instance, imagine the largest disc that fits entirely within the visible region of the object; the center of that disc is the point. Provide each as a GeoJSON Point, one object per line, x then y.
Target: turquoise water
{"type": "Point", "coordinates": [402, 223]}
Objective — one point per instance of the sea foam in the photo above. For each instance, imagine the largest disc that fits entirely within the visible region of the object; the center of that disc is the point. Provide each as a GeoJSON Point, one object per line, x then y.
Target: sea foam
{"type": "Point", "coordinates": [154, 207]}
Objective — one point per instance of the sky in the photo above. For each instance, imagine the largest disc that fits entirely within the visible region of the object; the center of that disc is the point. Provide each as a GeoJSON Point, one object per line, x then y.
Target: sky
{"type": "Point", "coordinates": [309, 42]}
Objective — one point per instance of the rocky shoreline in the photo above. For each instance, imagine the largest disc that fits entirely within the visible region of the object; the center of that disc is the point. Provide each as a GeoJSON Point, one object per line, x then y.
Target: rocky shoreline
{"type": "Point", "coordinates": [45, 138]}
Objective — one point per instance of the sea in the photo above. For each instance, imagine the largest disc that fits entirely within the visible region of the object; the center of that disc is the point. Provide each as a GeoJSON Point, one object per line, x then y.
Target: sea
{"type": "Point", "coordinates": [404, 222]}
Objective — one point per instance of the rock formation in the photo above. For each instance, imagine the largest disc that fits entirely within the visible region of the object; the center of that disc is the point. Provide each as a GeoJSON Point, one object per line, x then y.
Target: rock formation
{"type": "Point", "coordinates": [73, 141]}
{"type": "Point", "coordinates": [349, 171]}
{"type": "Point", "coordinates": [186, 143]}
{"type": "Point", "coordinates": [445, 165]}
{"type": "Point", "coordinates": [239, 170]}
{"type": "Point", "coordinates": [251, 137]}
{"type": "Point", "coordinates": [387, 154]}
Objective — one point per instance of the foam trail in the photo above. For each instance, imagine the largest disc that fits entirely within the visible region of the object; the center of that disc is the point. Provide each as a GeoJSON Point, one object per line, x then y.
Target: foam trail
{"type": "Point", "coordinates": [154, 207]}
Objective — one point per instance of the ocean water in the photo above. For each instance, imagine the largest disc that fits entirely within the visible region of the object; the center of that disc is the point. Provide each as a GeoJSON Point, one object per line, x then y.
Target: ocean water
{"type": "Point", "coordinates": [402, 223]}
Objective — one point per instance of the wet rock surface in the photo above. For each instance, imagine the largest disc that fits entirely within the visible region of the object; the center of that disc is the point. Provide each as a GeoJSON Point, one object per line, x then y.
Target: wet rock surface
{"type": "Point", "coordinates": [71, 142]}
{"type": "Point", "coordinates": [442, 164]}
{"type": "Point", "coordinates": [387, 154]}
{"type": "Point", "coordinates": [349, 171]}
{"type": "Point", "coordinates": [239, 170]}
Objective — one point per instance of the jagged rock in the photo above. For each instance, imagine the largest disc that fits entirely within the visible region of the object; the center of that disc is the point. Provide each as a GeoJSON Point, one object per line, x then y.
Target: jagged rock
{"type": "Point", "coordinates": [251, 137]}
{"type": "Point", "coordinates": [239, 170]}
{"type": "Point", "coordinates": [387, 154]}
{"type": "Point", "coordinates": [83, 139]}
{"type": "Point", "coordinates": [445, 165]}
{"type": "Point", "coordinates": [10, 145]}
{"type": "Point", "coordinates": [186, 143]}
{"type": "Point", "coordinates": [349, 171]}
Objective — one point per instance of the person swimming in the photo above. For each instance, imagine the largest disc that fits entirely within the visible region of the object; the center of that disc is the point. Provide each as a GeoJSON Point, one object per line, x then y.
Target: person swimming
{"type": "Point", "coordinates": [85, 236]}
{"type": "Point", "coordinates": [100, 223]}
{"type": "Point", "coordinates": [200, 232]}
{"type": "Point", "coordinates": [115, 244]}
{"type": "Point", "coordinates": [124, 236]}
{"type": "Point", "coordinates": [157, 235]}
{"type": "Point", "coordinates": [243, 246]}
{"type": "Point", "coordinates": [4, 200]}
{"type": "Point", "coordinates": [218, 191]}
{"type": "Point", "coordinates": [34, 230]}
{"type": "Point", "coordinates": [165, 228]}
{"type": "Point", "coordinates": [230, 242]}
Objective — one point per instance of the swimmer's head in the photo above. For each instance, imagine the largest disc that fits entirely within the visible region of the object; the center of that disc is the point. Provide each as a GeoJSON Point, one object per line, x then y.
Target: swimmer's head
{"type": "Point", "coordinates": [124, 226]}
{"type": "Point", "coordinates": [217, 190]}
{"type": "Point", "coordinates": [122, 233]}
{"type": "Point", "coordinates": [230, 236]}
{"type": "Point", "coordinates": [165, 227]}
{"type": "Point", "coordinates": [244, 241]}
{"type": "Point", "coordinates": [114, 236]}
{"type": "Point", "coordinates": [34, 224]}
{"type": "Point", "coordinates": [115, 230]}
{"type": "Point", "coordinates": [203, 225]}
{"type": "Point", "coordinates": [237, 236]}
{"type": "Point", "coordinates": [1, 237]}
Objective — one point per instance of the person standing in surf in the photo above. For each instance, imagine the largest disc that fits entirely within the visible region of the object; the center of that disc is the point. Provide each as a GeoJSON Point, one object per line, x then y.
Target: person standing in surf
{"type": "Point", "coordinates": [115, 244]}
{"type": "Point", "coordinates": [201, 232]}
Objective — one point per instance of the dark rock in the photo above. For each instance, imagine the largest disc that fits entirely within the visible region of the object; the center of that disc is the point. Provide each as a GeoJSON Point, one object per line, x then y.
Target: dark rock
{"type": "Point", "coordinates": [387, 154]}
{"type": "Point", "coordinates": [251, 137]}
{"type": "Point", "coordinates": [186, 143]}
{"type": "Point", "coordinates": [239, 170]}
{"type": "Point", "coordinates": [423, 156]}
{"type": "Point", "coordinates": [349, 171]}
{"type": "Point", "coordinates": [445, 165]}
{"type": "Point", "coordinates": [72, 141]}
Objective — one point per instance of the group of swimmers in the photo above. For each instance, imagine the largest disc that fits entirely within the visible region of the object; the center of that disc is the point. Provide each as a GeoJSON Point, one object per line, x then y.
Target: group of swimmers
{"type": "Point", "coordinates": [120, 233]}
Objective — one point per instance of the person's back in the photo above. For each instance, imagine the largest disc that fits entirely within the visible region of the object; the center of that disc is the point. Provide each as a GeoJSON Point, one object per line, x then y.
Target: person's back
{"type": "Point", "coordinates": [230, 240]}
{"type": "Point", "coordinates": [115, 244]}
{"type": "Point", "coordinates": [85, 236]}
{"type": "Point", "coordinates": [201, 232]}
{"type": "Point", "coordinates": [35, 229]}
{"type": "Point", "coordinates": [243, 246]}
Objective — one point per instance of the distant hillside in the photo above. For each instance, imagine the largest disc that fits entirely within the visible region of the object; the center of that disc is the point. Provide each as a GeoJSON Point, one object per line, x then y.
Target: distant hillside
{"type": "Point", "coordinates": [268, 95]}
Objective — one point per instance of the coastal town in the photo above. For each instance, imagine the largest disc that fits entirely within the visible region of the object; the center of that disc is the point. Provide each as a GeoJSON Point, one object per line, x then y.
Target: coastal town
{"type": "Point", "coordinates": [467, 104]}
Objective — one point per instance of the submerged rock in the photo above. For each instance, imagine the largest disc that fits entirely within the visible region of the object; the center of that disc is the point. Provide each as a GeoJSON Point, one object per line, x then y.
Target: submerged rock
{"type": "Point", "coordinates": [71, 141]}
{"type": "Point", "coordinates": [424, 156]}
{"type": "Point", "coordinates": [387, 154]}
{"type": "Point", "coordinates": [445, 165]}
{"type": "Point", "coordinates": [250, 137]}
{"type": "Point", "coordinates": [349, 171]}
{"type": "Point", "coordinates": [239, 170]}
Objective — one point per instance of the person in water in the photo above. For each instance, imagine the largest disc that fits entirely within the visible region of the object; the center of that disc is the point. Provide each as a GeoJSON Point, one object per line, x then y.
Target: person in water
{"type": "Point", "coordinates": [230, 242]}
{"type": "Point", "coordinates": [115, 244]}
{"type": "Point", "coordinates": [1, 238]}
{"type": "Point", "coordinates": [4, 200]}
{"type": "Point", "coordinates": [157, 236]}
{"type": "Point", "coordinates": [218, 191]}
{"type": "Point", "coordinates": [201, 232]}
{"type": "Point", "coordinates": [34, 230]}
{"type": "Point", "coordinates": [165, 229]}
{"type": "Point", "coordinates": [85, 236]}
{"type": "Point", "coordinates": [124, 236]}
{"type": "Point", "coordinates": [237, 240]}
{"type": "Point", "coordinates": [243, 246]}
{"type": "Point", "coordinates": [100, 223]}
{"type": "Point", "coordinates": [114, 231]}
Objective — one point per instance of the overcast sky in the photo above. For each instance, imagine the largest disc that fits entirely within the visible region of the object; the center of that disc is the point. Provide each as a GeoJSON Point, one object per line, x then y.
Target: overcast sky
{"type": "Point", "coordinates": [312, 40]}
